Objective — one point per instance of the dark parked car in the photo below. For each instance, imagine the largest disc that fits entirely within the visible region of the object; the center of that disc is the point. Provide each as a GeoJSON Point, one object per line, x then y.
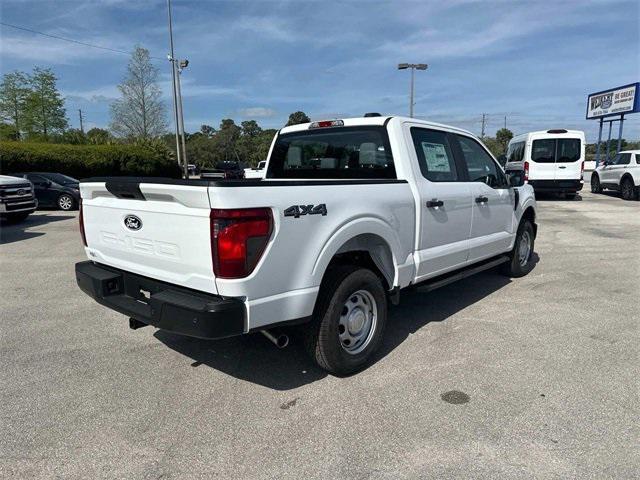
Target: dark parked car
{"type": "Point", "coordinates": [54, 189]}
{"type": "Point", "coordinates": [228, 170]}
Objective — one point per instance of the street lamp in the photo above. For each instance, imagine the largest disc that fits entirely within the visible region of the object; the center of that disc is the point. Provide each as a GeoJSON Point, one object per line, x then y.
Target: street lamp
{"type": "Point", "coordinates": [413, 67]}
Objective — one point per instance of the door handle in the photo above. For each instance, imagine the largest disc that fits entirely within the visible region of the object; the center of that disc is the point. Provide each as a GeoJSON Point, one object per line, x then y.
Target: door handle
{"type": "Point", "coordinates": [434, 203]}
{"type": "Point", "coordinates": [482, 199]}
{"type": "Point", "coordinates": [562, 167]}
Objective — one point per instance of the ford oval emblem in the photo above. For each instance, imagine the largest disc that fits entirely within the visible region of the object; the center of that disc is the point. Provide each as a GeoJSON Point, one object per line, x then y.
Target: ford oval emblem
{"type": "Point", "coordinates": [21, 192]}
{"type": "Point", "coordinates": [132, 222]}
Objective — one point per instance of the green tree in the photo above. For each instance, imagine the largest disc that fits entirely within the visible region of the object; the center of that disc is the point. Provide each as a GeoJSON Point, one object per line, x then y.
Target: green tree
{"type": "Point", "coordinates": [207, 130]}
{"type": "Point", "coordinates": [45, 114]}
{"type": "Point", "coordinates": [493, 145]}
{"type": "Point", "coordinates": [250, 128]}
{"type": "Point", "coordinates": [140, 113]}
{"type": "Point", "coordinates": [503, 136]}
{"type": "Point", "coordinates": [8, 132]}
{"type": "Point", "coordinates": [99, 136]}
{"type": "Point", "coordinates": [74, 136]}
{"type": "Point", "coordinates": [14, 91]}
{"type": "Point", "coordinates": [298, 117]}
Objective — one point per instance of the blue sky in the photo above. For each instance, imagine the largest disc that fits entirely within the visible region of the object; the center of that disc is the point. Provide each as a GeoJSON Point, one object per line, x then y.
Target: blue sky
{"type": "Point", "coordinates": [534, 62]}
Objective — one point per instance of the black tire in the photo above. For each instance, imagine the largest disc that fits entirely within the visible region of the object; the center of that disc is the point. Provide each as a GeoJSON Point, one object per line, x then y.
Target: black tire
{"type": "Point", "coordinates": [66, 202]}
{"type": "Point", "coordinates": [516, 267]}
{"type": "Point", "coordinates": [571, 196]}
{"type": "Point", "coordinates": [595, 183]}
{"type": "Point", "coordinates": [322, 335]}
{"type": "Point", "coordinates": [627, 189]}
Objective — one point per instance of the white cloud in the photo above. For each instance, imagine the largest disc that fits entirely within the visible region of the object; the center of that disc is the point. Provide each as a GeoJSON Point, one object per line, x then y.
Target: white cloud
{"type": "Point", "coordinates": [257, 112]}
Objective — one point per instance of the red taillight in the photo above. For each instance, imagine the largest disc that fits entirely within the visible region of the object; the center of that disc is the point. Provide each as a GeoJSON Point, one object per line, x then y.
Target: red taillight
{"type": "Point", "coordinates": [238, 240]}
{"type": "Point", "coordinates": [81, 222]}
{"type": "Point", "coordinates": [526, 171]}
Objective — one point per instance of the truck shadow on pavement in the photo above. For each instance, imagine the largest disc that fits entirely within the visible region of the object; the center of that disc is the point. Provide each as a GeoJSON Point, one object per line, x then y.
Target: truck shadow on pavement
{"type": "Point", "coordinates": [14, 232]}
{"type": "Point", "coordinates": [253, 358]}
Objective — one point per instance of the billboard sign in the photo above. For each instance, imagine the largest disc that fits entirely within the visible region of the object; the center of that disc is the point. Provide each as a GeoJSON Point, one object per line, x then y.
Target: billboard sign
{"type": "Point", "coordinates": [616, 101]}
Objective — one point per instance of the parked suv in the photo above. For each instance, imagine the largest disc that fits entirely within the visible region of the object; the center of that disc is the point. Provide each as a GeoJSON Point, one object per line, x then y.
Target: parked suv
{"type": "Point", "coordinates": [54, 189]}
{"type": "Point", "coordinates": [16, 198]}
{"type": "Point", "coordinates": [553, 160]}
{"type": "Point", "coordinates": [621, 173]}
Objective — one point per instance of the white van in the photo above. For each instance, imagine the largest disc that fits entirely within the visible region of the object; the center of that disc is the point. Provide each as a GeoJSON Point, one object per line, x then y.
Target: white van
{"type": "Point", "coordinates": [553, 160]}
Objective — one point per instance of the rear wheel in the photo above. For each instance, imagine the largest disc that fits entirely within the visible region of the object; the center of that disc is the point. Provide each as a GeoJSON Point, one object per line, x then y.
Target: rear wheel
{"type": "Point", "coordinates": [521, 257]}
{"type": "Point", "coordinates": [627, 189]}
{"type": "Point", "coordinates": [65, 202]}
{"type": "Point", "coordinates": [595, 184]}
{"type": "Point", "coordinates": [348, 321]}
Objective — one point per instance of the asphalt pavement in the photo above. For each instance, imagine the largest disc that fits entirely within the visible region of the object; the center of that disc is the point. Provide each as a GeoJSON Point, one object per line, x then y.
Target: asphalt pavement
{"type": "Point", "coordinates": [487, 378]}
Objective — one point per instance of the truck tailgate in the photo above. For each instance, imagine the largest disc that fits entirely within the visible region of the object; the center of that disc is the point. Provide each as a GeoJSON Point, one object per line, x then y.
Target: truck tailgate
{"type": "Point", "coordinates": [159, 230]}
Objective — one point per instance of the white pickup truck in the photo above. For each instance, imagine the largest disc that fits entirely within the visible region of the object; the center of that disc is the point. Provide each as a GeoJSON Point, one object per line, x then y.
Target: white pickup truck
{"type": "Point", "coordinates": [350, 212]}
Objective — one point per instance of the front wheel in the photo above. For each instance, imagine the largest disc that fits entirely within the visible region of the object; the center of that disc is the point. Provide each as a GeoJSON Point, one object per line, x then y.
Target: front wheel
{"type": "Point", "coordinates": [627, 189]}
{"type": "Point", "coordinates": [65, 202]}
{"type": "Point", "coordinates": [595, 184]}
{"type": "Point", "coordinates": [348, 321]}
{"type": "Point", "coordinates": [521, 257]}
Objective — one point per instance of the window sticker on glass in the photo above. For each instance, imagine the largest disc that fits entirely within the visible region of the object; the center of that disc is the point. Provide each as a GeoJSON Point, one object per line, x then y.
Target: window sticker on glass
{"type": "Point", "coordinates": [436, 157]}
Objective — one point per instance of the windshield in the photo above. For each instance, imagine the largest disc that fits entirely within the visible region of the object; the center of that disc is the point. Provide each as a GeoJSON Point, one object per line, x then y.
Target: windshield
{"type": "Point", "coordinates": [61, 179]}
{"type": "Point", "coordinates": [342, 152]}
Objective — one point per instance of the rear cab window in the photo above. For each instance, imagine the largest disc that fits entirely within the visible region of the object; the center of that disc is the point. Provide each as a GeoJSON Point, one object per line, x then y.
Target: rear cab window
{"type": "Point", "coordinates": [361, 152]}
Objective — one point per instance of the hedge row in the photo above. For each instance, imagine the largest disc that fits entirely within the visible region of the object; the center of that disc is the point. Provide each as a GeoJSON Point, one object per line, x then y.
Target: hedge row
{"type": "Point", "coordinates": [82, 161]}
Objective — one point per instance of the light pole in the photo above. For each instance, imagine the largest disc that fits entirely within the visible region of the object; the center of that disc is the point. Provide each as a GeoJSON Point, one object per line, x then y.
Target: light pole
{"type": "Point", "coordinates": [413, 67]}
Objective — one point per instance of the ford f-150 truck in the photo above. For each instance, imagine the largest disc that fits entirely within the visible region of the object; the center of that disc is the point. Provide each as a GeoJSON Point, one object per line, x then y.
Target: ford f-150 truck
{"type": "Point", "coordinates": [349, 213]}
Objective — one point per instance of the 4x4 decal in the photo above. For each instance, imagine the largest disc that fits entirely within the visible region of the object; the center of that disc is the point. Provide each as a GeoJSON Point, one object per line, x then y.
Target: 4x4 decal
{"type": "Point", "coordinates": [297, 210]}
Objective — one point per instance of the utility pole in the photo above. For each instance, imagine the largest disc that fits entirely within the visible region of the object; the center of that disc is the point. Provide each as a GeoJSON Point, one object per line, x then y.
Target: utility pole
{"type": "Point", "coordinates": [413, 67]}
{"type": "Point", "coordinates": [484, 121]}
{"type": "Point", "coordinates": [175, 92]}
{"type": "Point", "coordinates": [505, 122]}
{"type": "Point", "coordinates": [80, 114]}
{"type": "Point", "coordinates": [180, 65]}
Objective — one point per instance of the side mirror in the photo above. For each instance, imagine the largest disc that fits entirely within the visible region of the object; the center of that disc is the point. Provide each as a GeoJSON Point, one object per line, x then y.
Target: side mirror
{"type": "Point", "coordinates": [515, 178]}
{"type": "Point", "coordinates": [47, 184]}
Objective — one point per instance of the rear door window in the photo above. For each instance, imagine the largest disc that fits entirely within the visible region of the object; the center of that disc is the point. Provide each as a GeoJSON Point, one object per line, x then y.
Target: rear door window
{"type": "Point", "coordinates": [543, 151]}
{"type": "Point", "coordinates": [622, 159]}
{"type": "Point", "coordinates": [568, 150]}
{"type": "Point", "coordinates": [341, 152]}
{"type": "Point", "coordinates": [435, 156]}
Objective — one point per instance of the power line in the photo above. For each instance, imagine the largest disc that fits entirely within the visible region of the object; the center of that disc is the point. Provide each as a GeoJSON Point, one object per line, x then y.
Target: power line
{"type": "Point", "coordinates": [113, 50]}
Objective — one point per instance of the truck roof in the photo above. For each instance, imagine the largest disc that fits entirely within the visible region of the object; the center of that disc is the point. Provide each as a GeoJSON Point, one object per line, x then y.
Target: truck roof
{"type": "Point", "coordinates": [381, 120]}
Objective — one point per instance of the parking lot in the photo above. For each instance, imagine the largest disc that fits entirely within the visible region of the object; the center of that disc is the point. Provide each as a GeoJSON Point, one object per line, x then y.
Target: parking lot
{"type": "Point", "coordinates": [489, 377]}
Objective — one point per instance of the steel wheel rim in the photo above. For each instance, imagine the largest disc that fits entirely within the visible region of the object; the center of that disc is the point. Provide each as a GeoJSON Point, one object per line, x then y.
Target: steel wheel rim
{"type": "Point", "coordinates": [65, 202]}
{"type": "Point", "coordinates": [357, 322]}
{"type": "Point", "coordinates": [524, 248]}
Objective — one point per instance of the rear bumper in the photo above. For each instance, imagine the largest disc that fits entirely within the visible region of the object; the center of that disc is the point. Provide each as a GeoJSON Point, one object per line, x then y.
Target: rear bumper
{"type": "Point", "coordinates": [165, 306]}
{"type": "Point", "coordinates": [556, 185]}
